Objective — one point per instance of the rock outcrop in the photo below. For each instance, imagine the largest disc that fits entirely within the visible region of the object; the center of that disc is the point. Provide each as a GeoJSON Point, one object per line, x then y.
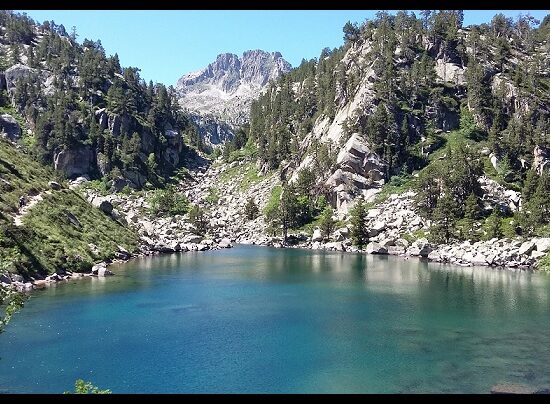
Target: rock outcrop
{"type": "Point", "coordinates": [9, 127]}
{"type": "Point", "coordinates": [74, 162]}
{"type": "Point", "coordinates": [359, 171]}
{"type": "Point", "coordinates": [541, 159]}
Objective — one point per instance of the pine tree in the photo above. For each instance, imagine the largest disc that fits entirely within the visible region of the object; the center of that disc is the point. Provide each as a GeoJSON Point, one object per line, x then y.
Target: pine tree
{"type": "Point", "coordinates": [251, 210]}
{"type": "Point", "coordinates": [443, 219]}
{"type": "Point", "coordinates": [326, 223]}
{"type": "Point", "coordinates": [359, 234]}
{"type": "Point", "coordinates": [197, 216]}
{"type": "Point", "coordinates": [494, 225]}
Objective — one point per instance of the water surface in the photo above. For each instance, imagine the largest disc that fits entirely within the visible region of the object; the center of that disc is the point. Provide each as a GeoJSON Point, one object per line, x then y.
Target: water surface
{"type": "Point", "coordinates": [256, 319]}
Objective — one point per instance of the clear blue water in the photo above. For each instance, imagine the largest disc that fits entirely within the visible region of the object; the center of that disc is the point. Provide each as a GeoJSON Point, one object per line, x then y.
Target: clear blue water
{"type": "Point", "coordinates": [254, 319]}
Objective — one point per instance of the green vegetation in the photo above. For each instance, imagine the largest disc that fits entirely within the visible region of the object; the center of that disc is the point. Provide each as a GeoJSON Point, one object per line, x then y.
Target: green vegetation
{"type": "Point", "coordinates": [57, 231]}
{"type": "Point", "coordinates": [251, 210]}
{"type": "Point", "coordinates": [298, 204]}
{"type": "Point", "coordinates": [10, 302]}
{"type": "Point", "coordinates": [168, 201]}
{"type": "Point", "coordinates": [146, 124]}
{"type": "Point", "coordinates": [197, 216]}
{"type": "Point", "coordinates": [359, 234]}
{"type": "Point", "coordinates": [244, 175]}
{"type": "Point", "coordinates": [326, 222]}
{"type": "Point", "coordinates": [213, 196]}
{"type": "Point", "coordinates": [82, 387]}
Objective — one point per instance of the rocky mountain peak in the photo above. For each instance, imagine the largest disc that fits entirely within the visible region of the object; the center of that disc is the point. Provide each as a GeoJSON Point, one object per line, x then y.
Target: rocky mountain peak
{"type": "Point", "coordinates": [225, 88]}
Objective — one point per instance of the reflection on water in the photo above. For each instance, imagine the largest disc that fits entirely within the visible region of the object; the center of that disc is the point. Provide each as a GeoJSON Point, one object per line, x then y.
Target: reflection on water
{"type": "Point", "coordinates": [254, 319]}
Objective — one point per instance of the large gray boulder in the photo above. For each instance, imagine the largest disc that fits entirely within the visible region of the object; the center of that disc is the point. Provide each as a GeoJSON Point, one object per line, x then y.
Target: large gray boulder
{"type": "Point", "coordinates": [18, 71]}
{"type": "Point", "coordinates": [137, 179]}
{"type": "Point", "coordinates": [543, 244]}
{"type": "Point", "coordinates": [74, 162]}
{"type": "Point", "coordinates": [192, 239]}
{"type": "Point", "coordinates": [102, 204]}
{"type": "Point", "coordinates": [358, 169]}
{"type": "Point", "coordinates": [420, 247]}
{"type": "Point", "coordinates": [527, 247]}
{"type": "Point", "coordinates": [317, 235]}
{"type": "Point", "coordinates": [10, 127]}
{"type": "Point", "coordinates": [375, 248]}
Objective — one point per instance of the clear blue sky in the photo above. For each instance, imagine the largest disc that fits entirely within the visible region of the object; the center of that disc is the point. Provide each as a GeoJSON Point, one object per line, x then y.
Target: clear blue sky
{"type": "Point", "coordinates": [165, 44]}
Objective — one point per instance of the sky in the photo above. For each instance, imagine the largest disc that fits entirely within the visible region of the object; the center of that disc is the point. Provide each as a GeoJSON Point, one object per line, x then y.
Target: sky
{"type": "Point", "coordinates": [166, 44]}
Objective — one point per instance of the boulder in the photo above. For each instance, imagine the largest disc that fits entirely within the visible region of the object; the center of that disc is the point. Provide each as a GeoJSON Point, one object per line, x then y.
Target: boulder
{"type": "Point", "coordinates": [40, 283]}
{"type": "Point", "coordinates": [192, 239]}
{"type": "Point", "coordinates": [402, 242]}
{"type": "Point", "coordinates": [375, 248]}
{"type": "Point", "coordinates": [543, 244]}
{"type": "Point", "coordinates": [225, 243]}
{"type": "Point", "coordinates": [54, 185]}
{"type": "Point", "coordinates": [103, 271]}
{"type": "Point", "coordinates": [434, 256]}
{"type": "Point", "coordinates": [122, 253]}
{"type": "Point", "coordinates": [344, 231]}
{"type": "Point", "coordinates": [73, 162]}
{"type": "Point", "coordinates": [336, 246]}
{"type": "Point", "coordinates": [527, 247]}
{"type": "Point", "coordinates": [10, 127]}
{"type": "Point", "coordinates": [479, 259]}
{"type": "Point", "coordinates": [537, 254]}
{"type": "Point", "coordinates": [202, 247]}
{"type": "Point", "coordinates": [102, 204]}
{"type": "Point", "coordinates": [396, 250]}
{"type": "Point", "coordinates": [97, 267]}
{"type": "Point", "coordinates": [317, 235]}
{"type": "Point", "coordinates": [337, 236]}
{"type": "Point", "coordinates": [420, 247]}
{"type": "Point", "coordinates": [376, 228]}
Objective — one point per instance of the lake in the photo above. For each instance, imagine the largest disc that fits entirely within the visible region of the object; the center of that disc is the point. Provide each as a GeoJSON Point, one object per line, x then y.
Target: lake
{"type": "Point", "coordinates": [258, 319]}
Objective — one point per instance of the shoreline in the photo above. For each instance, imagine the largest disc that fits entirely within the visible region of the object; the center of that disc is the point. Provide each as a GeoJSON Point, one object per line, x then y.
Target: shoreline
{"type": "Point", "coordinates": [420, 249]}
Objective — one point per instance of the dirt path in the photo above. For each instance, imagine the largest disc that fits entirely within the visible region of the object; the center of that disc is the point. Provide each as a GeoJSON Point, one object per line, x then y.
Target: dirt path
{"type": "Point", "coordinates": [33, 200]}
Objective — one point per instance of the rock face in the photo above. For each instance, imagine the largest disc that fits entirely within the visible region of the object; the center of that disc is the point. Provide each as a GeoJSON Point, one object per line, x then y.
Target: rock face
{"type": "Point", "coordinates": [541, 158]}
{"type": "Point", "coordinates": [225, 89]}
{"type": "Point", "coordinates": [74, 162]}
{"type": "Point", "coordinates": [10, 127]}
{"type": "Point", "coordinates": [450, 72]}
{"type": "Point", "coordinates": [213, 131]}
{"type": "Point", "coordinates": [18, 71]}
{"type": "Point", "coordinates": [358, 171]}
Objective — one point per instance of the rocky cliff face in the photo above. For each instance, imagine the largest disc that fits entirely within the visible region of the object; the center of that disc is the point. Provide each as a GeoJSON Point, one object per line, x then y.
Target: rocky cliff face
{"type": "Point", "coordinates": [222, 92]}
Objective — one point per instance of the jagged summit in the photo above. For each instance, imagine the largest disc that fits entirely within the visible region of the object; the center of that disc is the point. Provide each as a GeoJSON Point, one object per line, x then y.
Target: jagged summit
{"type": "Point", "coordinates": [226, 87]}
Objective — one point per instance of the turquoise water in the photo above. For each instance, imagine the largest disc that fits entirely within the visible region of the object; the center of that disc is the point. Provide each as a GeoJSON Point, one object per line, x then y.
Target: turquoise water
{"type": "Point", "coordinates": [254, 319]}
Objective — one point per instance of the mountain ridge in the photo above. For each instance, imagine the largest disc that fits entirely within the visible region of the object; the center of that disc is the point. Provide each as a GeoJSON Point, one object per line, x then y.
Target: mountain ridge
{"type": "Point", "coordinates": [225, 88]}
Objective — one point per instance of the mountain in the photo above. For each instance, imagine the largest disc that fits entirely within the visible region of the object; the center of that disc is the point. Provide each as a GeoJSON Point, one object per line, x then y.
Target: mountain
{"type": "Point", "coordinates": [224, 90]}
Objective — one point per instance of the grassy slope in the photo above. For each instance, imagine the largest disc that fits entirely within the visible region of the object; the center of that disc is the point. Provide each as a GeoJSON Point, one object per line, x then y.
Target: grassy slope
{"type": "Point", "coordinates": [48, 239]}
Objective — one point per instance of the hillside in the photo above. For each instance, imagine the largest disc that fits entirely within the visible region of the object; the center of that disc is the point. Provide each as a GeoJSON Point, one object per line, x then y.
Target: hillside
{"type": "Point", "coordinates": [61, 232]}
{"type": "Point", "coordinates": [89, 116]}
